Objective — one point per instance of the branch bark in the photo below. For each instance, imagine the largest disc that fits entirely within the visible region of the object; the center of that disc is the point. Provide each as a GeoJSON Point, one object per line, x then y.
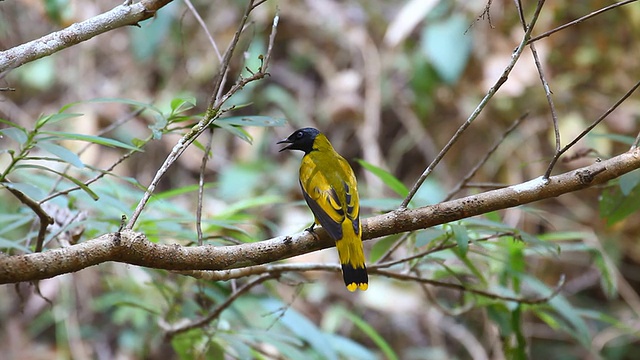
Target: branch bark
{"type": "Point", "coordinates": [122, 15]}
{"type": "Point", "coordinates": [133, 248]}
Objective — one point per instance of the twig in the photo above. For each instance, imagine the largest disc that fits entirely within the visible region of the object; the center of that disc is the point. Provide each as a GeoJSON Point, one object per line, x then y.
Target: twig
{"type": "Point", "coordinates": [204, 27]}
{"type": "Point", "coordinates": [459, 287]}
{"type": "Point", "coordinates": [171, 332]}
{"type": "Point", "coordinates": [581, 19]}
{"type": "Point", "coordinates": [503, 78]}
{"type": "Point", "coordinates": [102, 173]}
{"type": "Point", "coordinates": [211, 114]}
{"type": "Point", "coordinates": [45, 219]}
{"type": "Point", "coordinates": [545, 86]}
{"type": "Point", "coordinates": [203, 168]}
{"type": "Point", "coordinates": [486, 157]}
{"type": "Point", "coordinates": [103, 131]}
{"type": "Point", "coordinates": [394, 247]}
{"type": "Point", "coordinates": [590, 127]}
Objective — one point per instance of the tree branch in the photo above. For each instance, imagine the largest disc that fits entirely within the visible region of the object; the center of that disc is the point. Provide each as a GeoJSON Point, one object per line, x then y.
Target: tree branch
{"type": "Point", "coordinates": [133, 248]}
{"type": "Point", "coordinates": [119, 16]}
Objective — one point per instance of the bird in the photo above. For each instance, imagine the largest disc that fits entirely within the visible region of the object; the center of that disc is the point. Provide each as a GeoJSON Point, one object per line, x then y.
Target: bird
{"type": "Point", "coordinates": [330, 189]}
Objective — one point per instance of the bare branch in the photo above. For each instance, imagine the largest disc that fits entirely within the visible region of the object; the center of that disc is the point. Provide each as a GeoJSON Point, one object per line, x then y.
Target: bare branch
{"type": "Point", "coordinates": [581, 19]}
{"type": "Point", "coordinates": [212, 113]}
{"type": "Point", "coordinates": [590, 127]}
{"type": "Point", "coordinates": [171, 332]}
{"type": "Point", "coordinates": [133, 248]}
{"type": "Point", "coordinates": [122, 15]}
{"type": "Point", "coordinates": [45, 219]}
{"type": "Point", "coordinates": [483, 103]}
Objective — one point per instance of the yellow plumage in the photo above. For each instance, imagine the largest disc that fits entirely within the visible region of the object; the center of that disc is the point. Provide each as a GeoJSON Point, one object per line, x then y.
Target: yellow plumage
{"type": "Point", "coordinates": [330, 189]}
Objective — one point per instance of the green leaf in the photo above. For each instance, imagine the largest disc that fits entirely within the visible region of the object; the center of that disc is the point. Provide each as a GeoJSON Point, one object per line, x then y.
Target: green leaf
{"type": "Point", "coordinates": [9, 244]}
{"type": "Point", "coordinates": [447, 45]}
{"type": "Point", "coordinates": [182, 104]}
{"type": "Point", "coordinates": [235, 131]}
{"type": "Point", "coordinates": [387, 178]}
{"type": "Point", "coordinates": [629, 181]}
{"type": "Point", "coordinates": [30, 190]}
{"type": "Point", "coordinates": [578, 327]}
{"type": "Point", "coordinates": [79, 183]}
{"type": "Point", "coordinates": [99, 140]}
{"type": "Point", "coordinates": [371, 332]}
{"type": "Point", "coordinates": [616, 206]}
{"type": "Point", "coordinates": [61, 152]}
{"type": "Point", "coordinates": [301, 327]}
{"type": "Point", "coordinates": [126, 101]}
{"type": "Point", "coordinates": [350, 349]}
{"type": "Point", "coordinates": [425, 237]}
{"type": "Point", "coordinates": [54, 118]}
{"type": "Point", "coordinates": [253, 120]}
{"type": "Point", "coordinates": [608, 279]}
{"type": "Point", "coordinates": [381, 246]}
{"type": "Point", "coordinates": [18, 135]}
{"type": "Point", "coordinates": [461, 236]}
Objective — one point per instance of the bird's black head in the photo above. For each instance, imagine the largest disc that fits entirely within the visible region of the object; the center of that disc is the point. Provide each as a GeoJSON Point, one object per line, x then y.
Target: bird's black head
{"type": "Point", "coordinates": [301, 139]}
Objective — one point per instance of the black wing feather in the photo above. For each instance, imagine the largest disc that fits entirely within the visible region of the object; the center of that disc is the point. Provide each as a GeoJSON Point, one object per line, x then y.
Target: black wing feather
{"type": "Point", "coordinates": [333, 228]}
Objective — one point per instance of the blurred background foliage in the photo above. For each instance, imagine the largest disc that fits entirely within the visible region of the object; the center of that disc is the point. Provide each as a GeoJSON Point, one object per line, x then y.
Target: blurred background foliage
{"type": "Point", "coordinates": [389, 82]}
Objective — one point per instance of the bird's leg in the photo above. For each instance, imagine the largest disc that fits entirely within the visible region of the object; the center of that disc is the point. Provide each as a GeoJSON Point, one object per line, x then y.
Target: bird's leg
{"type": "Point", "coordinates": [312, 232]}
{"type": "Point", "coordinates": [310, 228]}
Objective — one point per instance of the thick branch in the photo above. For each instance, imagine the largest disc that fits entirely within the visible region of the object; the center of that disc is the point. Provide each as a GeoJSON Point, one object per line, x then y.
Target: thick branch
{"type": "Point", "coordinates": [133, 248]}
{"type": "Point", "coordinates": [119, 16]}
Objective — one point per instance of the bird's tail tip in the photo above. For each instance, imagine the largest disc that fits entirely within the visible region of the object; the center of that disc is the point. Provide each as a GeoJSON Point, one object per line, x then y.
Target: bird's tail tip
{"type": "Point", "coordinates": [355, 277]}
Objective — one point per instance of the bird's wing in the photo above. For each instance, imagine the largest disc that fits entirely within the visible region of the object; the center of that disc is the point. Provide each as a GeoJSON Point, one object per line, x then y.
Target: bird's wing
{"type": "Point", "coordinates": [325, 205]}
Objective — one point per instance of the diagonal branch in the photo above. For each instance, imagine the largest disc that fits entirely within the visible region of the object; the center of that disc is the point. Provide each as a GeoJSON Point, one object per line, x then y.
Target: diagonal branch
{"type": "Point", "coordinates": [133, 248]}
{"type": "Point", "coordinates": [122, 15]}
{"type": "Point", "coordinates": [483, 103]}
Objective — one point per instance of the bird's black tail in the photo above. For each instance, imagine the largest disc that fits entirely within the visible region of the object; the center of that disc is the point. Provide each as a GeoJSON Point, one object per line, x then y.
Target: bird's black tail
{"type": "Point", "coordinates": [355, 277]}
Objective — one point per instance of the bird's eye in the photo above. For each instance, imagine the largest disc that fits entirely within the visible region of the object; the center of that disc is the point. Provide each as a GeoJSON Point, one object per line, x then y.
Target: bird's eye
{"type": "Point", "coordinates": [299, 134]}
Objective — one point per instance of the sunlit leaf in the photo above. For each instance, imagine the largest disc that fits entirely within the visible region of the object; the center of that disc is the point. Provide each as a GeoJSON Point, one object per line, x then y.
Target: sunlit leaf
{"type": "Point", "coordinates": [387, 178]}
{"type": "Point", "coordinates": [253, 120]}
{"type": "Point", "coordinates": [61, 152]}
{"type": "Point", "coordinates": [79, 183]}
{"type": "Point", "coordinates": [301, 327]}
{"type": "Point", "coordinates": [372, 334]}
{"type": "Point", "coordinates": [448, 45]}
{"type": "Point", "coordinates": [16, 134]}
{"type": "Point", "coordinates": [90, 138]}
{"type": "Point", "coordinates": [54, 118]}
{"type": "Point", "coordinates": [615, 206]}
{"type": "Point", "coordinates": [461, 236]}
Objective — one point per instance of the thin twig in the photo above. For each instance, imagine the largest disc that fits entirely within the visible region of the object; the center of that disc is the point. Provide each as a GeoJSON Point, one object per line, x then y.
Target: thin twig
{"type": "Point", "coordinates": [394, 247]}
{"type": "Point", "coordinates": [211, 114]}
{"type": "Point", "coordinates": [492, 91]}
{"type": "Point", "coordinates": [459, 287]}
{"type": "Point", "coordinates": [171, 332]}
{"type": "Point", "coordinates": [203, 168]}
{"type": "Point", "coordinates": [99, 176]}
{"type": "Point", "coordinates": [486, 157]}
{"type": "Point", "coordinates": [45, 219]}
{"type": "Point", "coordinates": [103, 131]}
{"type": "Point", "coordinates": [581, 19]}
{"type": "Point", "coordinates": [547, 93]}
{"type": "Point", "coordinates": [590, 127]}
{"type": "Point", "coordinates": [204, 27]}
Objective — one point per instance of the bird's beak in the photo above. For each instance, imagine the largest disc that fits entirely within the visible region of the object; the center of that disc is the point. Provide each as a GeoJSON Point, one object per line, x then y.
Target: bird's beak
{"type": "Point", "coordinates": [285, 141]}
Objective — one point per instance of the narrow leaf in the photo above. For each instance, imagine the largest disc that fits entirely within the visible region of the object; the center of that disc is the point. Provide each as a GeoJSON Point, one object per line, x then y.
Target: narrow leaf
{"type": "Point", "coordinates": [90, 138]}
{"type": "Point", "coordinates": [254, 120]}
{"type": "Point", "coordinates": [79, 183]}
{"type": "Point", "coordinates": [61, 152]}
{"type": "Point", "coordinates": [387, 178]}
